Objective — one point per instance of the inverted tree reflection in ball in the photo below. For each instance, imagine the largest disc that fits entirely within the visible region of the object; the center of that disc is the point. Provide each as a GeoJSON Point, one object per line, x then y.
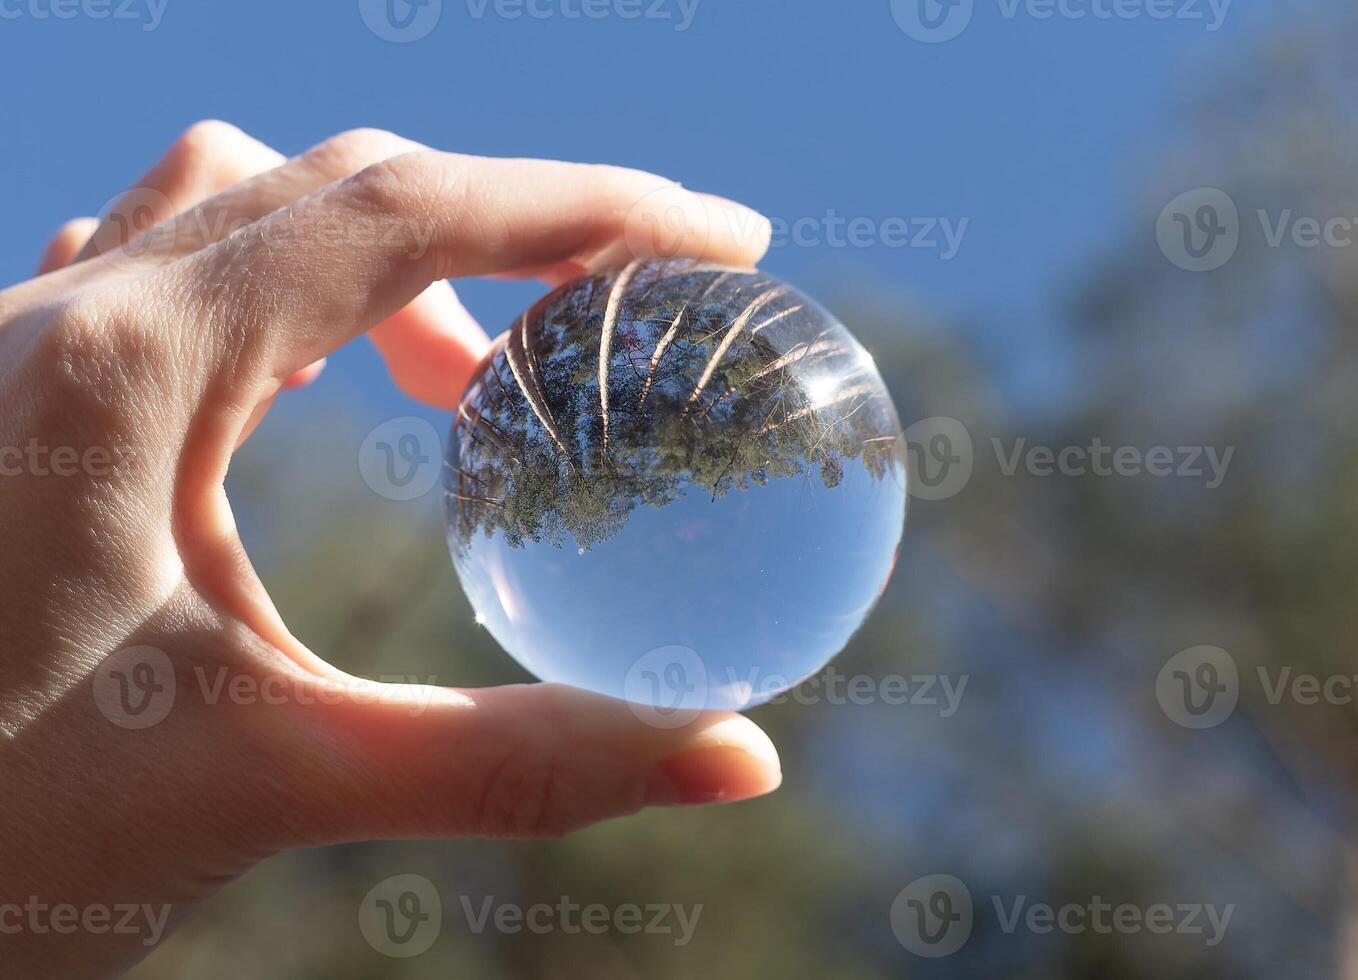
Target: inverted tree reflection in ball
{"type": "Point", "coordinates": [675, 483]}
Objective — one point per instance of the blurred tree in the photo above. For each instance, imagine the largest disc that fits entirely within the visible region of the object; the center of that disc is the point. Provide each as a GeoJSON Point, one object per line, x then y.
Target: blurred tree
{"type": "Point", "coordinates": [714, 381]}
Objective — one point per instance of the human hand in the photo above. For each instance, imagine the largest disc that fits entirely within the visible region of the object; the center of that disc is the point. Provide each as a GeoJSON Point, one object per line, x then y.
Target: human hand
{"type": "Point", "coordinates": [129, 373]}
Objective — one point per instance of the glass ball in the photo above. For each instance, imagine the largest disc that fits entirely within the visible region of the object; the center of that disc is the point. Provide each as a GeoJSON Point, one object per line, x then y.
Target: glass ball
{"type": "Point", "coordinates": [677, 484]}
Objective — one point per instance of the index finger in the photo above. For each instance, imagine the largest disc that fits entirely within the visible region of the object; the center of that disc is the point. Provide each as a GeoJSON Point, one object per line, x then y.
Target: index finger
{"type": "Point", "coordinates": [304, 280]}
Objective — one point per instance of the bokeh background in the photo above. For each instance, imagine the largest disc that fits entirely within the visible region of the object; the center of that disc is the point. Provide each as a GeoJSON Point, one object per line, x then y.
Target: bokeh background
{"type": "Point", "coordinates": [1068, 154]}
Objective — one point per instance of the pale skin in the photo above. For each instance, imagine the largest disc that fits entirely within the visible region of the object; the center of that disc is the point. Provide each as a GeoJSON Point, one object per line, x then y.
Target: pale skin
{"type": "Point", "coordinates": [164, 347]}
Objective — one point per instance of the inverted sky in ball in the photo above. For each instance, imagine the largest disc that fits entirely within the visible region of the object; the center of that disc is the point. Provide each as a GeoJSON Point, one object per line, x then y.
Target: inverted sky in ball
{"type": "Point", "coordinates": [675, 483]}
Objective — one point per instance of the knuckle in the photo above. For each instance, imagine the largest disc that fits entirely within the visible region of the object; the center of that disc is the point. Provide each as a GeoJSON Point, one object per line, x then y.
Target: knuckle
{"type": "Point", "coordinates": [76, 325]}
{"type": "Point", "coordinates": [94, 359]}
{"type": "Point", "coordinates": [395, 182]}
{"type": "Point", "coordinates": [398, 185]}
{"type": "Point", "coordinates": [66, 242]}
{"type": "Point", "coordinates": [355, 149]}
{"type": "Point", "coordinates": [201, 142]}
{"type": "Point", "coordinates": [69, 372]}
{"type": "Point", "coordinates": [77, 230]}
{"type": "Point", "coordinates": [624, 184]}
{"type": "Point", "coordinates": [527, 799]}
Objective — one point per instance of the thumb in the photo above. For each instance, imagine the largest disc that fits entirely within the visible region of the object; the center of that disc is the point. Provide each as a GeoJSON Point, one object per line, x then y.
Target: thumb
{"type": "Point", "coordinates": [534, 760]}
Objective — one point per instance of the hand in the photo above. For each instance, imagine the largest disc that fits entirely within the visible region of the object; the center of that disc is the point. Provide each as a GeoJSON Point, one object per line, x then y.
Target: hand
{"type": "Point", "coordinates": [129, 372]}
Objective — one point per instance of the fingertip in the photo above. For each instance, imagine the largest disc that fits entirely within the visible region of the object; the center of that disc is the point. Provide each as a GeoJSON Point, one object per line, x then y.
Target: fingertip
{"type": "Point", "coordinates": [673, 221]}
{"type": "Point", "coordinates": [738, 732]}
{"type": "Point", "coordinates": [66, 244]}
{"type": "Point", "coordinates": [728, 761]}
{"type": "Point", "coordinates": [303, 377]}
{"type": "Point", "coordinates": [431, 346]}
{"type": "Point", "coordinates": [209, 156]}
{"type": "Point", "coordinates": [751, 231]}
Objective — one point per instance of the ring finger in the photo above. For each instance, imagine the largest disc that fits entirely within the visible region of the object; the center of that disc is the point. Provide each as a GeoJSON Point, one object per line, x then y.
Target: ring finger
{"type": "Point", "coordinates": [206, 159]}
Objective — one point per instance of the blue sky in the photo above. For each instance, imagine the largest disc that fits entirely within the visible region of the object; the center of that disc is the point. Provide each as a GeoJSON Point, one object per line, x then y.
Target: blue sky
{"type": "Point", "coordinates": [1029, 129]}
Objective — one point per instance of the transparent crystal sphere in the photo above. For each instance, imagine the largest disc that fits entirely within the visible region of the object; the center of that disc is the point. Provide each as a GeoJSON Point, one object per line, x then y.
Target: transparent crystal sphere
{"type": "Point", "coordinates": [677, 484]}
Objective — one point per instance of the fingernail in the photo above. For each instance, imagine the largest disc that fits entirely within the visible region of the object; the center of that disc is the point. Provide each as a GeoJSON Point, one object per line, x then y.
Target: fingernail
{"type": "Point", "coordinates": [763, 234]}
{"type": "Point", "coordinates": [732, 760]}
{"type": "Point", "coordinates": [752, 229]}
